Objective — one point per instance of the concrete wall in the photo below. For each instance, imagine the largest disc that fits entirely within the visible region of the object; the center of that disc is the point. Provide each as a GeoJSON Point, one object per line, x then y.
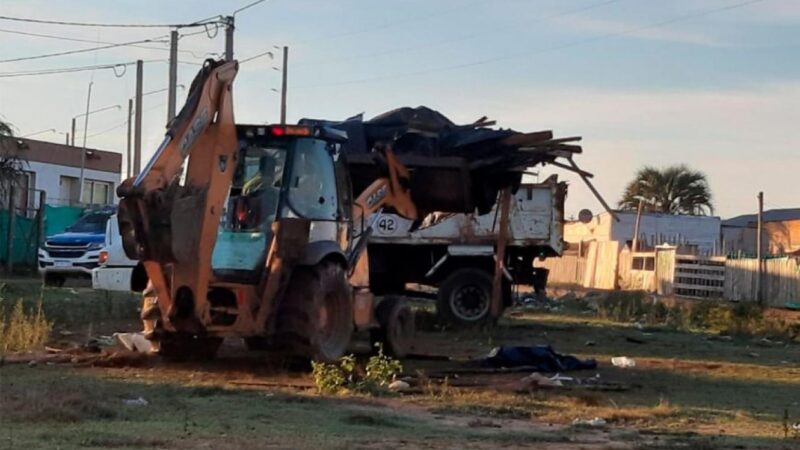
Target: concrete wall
{"type": "Point", "coordinates": [48, 178]}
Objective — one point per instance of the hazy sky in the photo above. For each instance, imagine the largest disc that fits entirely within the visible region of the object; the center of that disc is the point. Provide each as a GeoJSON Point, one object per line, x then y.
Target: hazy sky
{"type": "Point", "coordinates": [714, 84]}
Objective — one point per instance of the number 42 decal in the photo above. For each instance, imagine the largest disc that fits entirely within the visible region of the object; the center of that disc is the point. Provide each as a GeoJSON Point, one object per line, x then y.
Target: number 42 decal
{"type": "Point", "coordinates": [387, 224]}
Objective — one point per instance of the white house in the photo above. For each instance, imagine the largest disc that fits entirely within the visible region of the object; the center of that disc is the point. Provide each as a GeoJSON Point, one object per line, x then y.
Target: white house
{"type": "Point", "coordinates": [55, 169]}
{"type": "Point", "coordinates": [699, 232]}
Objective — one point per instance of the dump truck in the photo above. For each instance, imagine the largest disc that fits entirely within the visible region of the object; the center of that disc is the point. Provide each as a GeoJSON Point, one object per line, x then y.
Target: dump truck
{"type": "Point", "coordinates": [456, 253]}
{"type": "Point", "coordinates": [261, 232]}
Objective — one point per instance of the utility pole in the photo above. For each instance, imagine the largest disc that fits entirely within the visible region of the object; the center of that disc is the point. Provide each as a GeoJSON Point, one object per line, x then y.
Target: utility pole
{"type": "Point", "coordinates": [173, 74]}
{"type": "Point", "coordinates": [85, 132]}
{"type": "Point", "coordinates": [283, 83]}
{"type": "Point", "coordinates": [137, 123]}
{"type": "Point", "coordinates": [635, 246]}
{"type": "Point", "coordinates": [759, 296]}
{"type": "Point", "coordinates": [67, 143]}
{"type": "Point", "coordinates": [73, 132]}
{"type": "Point", "coordinates": [229, 27]}
{"type": "Point", "coordinates": [128, 152]}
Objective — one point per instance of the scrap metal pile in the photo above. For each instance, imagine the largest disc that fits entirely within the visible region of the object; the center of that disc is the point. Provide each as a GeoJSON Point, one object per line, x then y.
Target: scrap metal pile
{"type": "Point", "coordinates": [454, 167]}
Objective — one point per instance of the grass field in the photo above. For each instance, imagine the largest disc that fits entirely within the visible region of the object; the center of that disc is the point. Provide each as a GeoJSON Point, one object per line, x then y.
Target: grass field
{"type": "Point", "coordinates": [694, 390]}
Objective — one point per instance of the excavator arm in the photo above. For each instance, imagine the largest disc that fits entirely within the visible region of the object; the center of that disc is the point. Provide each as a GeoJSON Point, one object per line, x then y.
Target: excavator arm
{"type": "Point", "coordinates": [164, 219]}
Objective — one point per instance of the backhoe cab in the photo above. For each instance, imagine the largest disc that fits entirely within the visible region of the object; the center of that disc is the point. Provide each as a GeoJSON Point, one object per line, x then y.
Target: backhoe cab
{"type": "Point", "coordinates": [261, 238]}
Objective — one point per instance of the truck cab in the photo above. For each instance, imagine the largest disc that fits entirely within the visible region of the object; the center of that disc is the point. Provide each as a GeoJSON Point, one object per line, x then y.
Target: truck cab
{"type": "Point", "coordinates": [115, 271]}
{"type": "Point", "coordinates": [74, 252]}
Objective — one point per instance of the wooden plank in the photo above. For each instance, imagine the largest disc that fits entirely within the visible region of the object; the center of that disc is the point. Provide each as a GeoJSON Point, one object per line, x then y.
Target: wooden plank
{"type": "Point", "coordinates": [695, 287]}
{"type": "Point", "coordinates": [700, 276]}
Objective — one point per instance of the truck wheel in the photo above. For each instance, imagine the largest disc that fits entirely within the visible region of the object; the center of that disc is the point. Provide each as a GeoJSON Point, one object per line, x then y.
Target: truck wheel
{"type": "Point", "coordinates": [315, 318]}
{"type": "Point", "coordinates": [396, 332]}
{"type": "Point", "coordinates": [465, 297]}
{"type": "Point", "coordinates": [54, 280]}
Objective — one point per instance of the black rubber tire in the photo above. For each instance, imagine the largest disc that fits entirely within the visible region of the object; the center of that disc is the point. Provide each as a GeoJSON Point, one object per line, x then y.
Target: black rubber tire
{"type": "Point", "coordinates": [315, 319]}
{"type": "Point", "coordinates": [396, 331]}
{"type": "Point", "coordinates": [54, 280]}
{"type": "Point", "coordinates": [464, 297]}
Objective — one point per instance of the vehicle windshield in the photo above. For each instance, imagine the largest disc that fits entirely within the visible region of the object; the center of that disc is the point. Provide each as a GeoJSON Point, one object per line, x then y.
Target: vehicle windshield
{"type": "Point", "coordinates": [312, 190]}
{"type": "Point", "coordinates": [90, 223]}
{"type": "Point", "coordinates": [246, 227]}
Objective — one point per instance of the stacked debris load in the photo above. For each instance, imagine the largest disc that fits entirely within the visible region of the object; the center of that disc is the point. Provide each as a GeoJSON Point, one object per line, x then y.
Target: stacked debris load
{"type": "Point", "coordinates": [457, 167]}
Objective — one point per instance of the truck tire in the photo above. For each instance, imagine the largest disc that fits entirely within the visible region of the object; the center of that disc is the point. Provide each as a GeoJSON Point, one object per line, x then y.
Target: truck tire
{"type": "Point", "coordinates": [315, 319]}
{"type": "Point", "coordinates": [396, 331]}
{"type": "Point", "coordinates": [465, 297]}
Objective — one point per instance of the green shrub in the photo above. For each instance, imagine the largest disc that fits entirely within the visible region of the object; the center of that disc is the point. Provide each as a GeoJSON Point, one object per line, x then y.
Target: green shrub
{"type": "Point", "coordinates": [379, 371]}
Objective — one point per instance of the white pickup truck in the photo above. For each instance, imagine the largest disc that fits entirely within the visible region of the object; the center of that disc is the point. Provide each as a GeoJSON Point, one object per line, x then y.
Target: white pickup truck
{"type": "Point", "coordinates": [116, 272]}
{"type": "Point", "coordinates": [456, 253]}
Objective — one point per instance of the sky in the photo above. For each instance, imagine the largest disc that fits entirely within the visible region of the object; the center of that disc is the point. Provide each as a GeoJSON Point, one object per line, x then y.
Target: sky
{"type": "Point", "coordinates": [714, 84]}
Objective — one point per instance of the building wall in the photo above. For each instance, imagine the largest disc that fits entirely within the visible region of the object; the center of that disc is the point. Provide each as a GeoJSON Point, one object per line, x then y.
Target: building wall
{"type": "Point", "coordinates": [48, 178]}
{"type": "Point", "coordinates": [655, 229]}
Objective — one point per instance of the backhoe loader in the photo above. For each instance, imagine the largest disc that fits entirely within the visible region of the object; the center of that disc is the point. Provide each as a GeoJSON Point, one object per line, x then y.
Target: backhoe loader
{"type": "Point", "coordinates": [252, 231]}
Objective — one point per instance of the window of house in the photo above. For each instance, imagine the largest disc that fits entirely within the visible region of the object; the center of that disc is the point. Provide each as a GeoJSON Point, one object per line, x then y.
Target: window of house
{"type": "Point", "coordinates": [96, 192]}
{"type": "Point", "coordinates": [646, 263]}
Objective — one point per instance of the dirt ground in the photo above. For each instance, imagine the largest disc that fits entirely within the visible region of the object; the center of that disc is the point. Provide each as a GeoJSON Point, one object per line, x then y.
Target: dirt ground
{"type": "Point", "coordinates": [687, 390]}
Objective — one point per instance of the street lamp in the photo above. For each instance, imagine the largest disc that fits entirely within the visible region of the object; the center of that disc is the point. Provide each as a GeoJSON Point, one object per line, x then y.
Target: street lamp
{"type": "Point", "coordinates": [88, 114]}
{"type": "Point", "coordinates": [49, 130]}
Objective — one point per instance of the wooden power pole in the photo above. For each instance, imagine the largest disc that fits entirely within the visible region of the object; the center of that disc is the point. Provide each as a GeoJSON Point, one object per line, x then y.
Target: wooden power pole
{"type": "Point", "coordinates": [137, 122]}
{"type": "Point", "coordinates": [759, 256]}
{"type": "Point", "coordinates": [635, 244]}
{"type": "Point", "coordinates": [283, 83]}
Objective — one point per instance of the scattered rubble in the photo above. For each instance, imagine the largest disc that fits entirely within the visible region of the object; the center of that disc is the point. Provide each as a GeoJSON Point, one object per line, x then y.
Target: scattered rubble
{"type": "Point", "coordinates": [135, 402]}
{"type": "Point", "coordinates": [399, 386]}
{"type": "Point", "coordinates": [623, 361]}
{"type": "Point", "coordinates": [595, 422]}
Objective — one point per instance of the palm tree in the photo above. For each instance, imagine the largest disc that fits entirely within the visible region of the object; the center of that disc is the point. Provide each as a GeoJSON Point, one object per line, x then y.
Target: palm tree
{"type": "Point", "coordinates": [672, 190]}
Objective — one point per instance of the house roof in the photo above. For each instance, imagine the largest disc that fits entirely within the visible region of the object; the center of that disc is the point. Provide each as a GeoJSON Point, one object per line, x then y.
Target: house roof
{"type": "Point", "coordinates": [771, 215]}
{"type": "Point", "coordinates": [65, 155]}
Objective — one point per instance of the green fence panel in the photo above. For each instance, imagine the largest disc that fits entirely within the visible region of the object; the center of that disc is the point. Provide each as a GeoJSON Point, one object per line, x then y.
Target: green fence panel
{"type": "Point", "coordinates": [25, 242]}
{"type": "Point", "coordinates": [58, 218]}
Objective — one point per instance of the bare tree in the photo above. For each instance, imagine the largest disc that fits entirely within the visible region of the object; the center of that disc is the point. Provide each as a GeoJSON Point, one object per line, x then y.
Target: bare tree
{"type": "Point", "coordinates": [11, 165]}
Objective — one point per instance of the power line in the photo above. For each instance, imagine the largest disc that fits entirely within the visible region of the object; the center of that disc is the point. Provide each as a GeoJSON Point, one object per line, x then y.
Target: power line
{"type": "Point", "coordinates": [122, 124]}
{"type": "Point", "coordinates": [458, 39]}
{"type": "Point", "coordinates": [74, 69]}
{"type": "Point", "coordinates": [109, 25]}
{"type": "Point", "coordinates": [73, 39]}
{"type": "Point", "coordinates": [544, 50]}
{"type": "Point", "coordinates": [82, 50]}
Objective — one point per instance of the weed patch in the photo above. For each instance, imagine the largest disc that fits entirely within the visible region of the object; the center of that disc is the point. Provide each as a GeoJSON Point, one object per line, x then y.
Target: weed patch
{"type": "Point", "coordinates": [22, 330]}
{"type": "Point", "coordinates": [743, 319]}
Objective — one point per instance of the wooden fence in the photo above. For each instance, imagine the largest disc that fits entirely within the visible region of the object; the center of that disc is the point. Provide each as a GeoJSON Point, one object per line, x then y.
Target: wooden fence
{"type": "Point", "coordinates": [780, 282]}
